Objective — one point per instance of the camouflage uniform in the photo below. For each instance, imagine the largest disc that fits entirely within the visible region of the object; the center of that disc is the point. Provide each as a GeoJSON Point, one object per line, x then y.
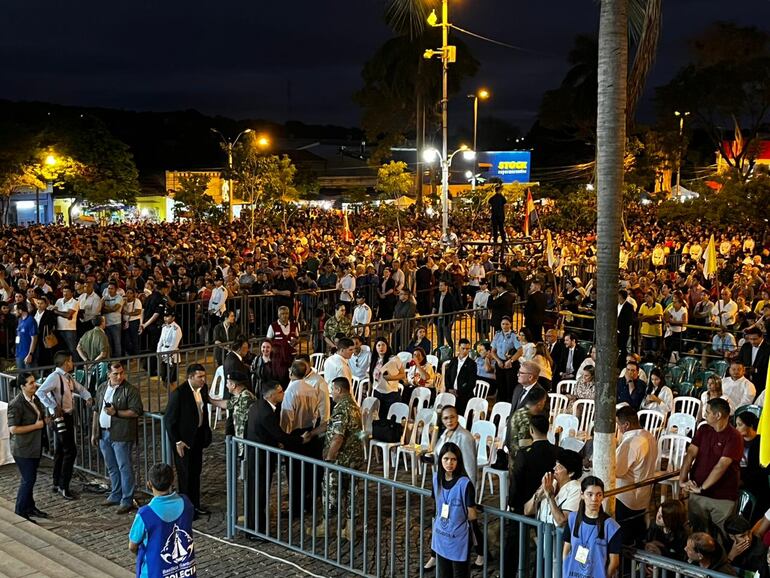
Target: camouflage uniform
{"type": "Point", "coordinates": [333, 326]}
{"type": "Point", "coordinates": [238, 406]}
{"type": "Point", "coordinates": [518, 432]}
{"type": "Point", "coordinates": [346, 421]}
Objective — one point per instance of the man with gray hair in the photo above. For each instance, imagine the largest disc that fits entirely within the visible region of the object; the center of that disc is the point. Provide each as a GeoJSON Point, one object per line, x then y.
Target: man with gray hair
{"type": "Point", "coordinates": [529, 371]}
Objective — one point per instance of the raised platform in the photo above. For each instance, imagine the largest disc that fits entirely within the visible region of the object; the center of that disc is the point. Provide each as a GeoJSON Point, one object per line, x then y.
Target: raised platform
{"type": "Point", "coordinates": [29, 550]}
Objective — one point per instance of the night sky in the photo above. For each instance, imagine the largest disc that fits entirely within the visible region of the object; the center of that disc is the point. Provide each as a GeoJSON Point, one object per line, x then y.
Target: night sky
{"type": "Point", "coordinates": [298, 60]}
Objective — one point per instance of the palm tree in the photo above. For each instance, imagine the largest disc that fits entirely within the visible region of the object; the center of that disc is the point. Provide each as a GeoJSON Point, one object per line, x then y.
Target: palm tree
{"type": "Point", "coordinates": [610, 148]}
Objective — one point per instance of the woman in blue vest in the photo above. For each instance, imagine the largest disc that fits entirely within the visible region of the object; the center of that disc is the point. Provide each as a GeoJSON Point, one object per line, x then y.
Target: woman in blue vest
{"type": "Point", "coordinates": [455, 508]}
{"type": "Point", "coordinates": [161, 535]}
{"type": "Point", "coordinates": [592, 541]}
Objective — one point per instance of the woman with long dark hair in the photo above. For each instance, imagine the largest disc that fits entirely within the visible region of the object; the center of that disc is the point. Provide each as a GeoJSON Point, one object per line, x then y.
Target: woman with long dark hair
{"type": "Point", "coordinates": [592, 542]}
{"type": "Point", "coordinates": [667, 535]}
{"type": "Point", "coordinates": [455, 509]}
{"type": "Point", "coordinates": [658, 395]}
{"type": "Point", "coordinates": [385, 372]}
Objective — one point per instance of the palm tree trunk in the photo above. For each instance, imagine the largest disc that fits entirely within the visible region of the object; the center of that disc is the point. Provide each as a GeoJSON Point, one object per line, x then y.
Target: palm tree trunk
{"type": "Point", "coordinates": [644, 56]}
{"type": "Point", "coordinates": [418, 144]}
{"type": "Point", "coordinates": [610, 149]}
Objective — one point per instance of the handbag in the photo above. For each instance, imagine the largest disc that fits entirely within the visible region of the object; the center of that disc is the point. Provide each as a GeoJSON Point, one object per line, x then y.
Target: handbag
{"type": "Point", "coordinates": [49, 339]}
{"type": "Point", "coordinates": [386, 430]}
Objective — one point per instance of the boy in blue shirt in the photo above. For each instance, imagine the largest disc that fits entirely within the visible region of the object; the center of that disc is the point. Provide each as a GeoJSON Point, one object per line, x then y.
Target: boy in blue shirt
{"type": "Point", "coordinates": [161, 535]}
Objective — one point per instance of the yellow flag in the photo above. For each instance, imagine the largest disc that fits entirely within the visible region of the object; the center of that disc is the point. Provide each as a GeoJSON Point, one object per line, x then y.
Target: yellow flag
{"type": "Point", "coordinates": [549, 250]}
{"type": "Point", "coordinates": [764, 431]}
{"type": "Point", "coordinates": [626, 237]}
{"type": "Point", "coordinates": [710, 266]}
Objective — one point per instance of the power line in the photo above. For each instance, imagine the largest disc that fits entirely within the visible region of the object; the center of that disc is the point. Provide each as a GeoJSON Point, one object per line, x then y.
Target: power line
{"type": "Point", "coordinates": [499, 43]}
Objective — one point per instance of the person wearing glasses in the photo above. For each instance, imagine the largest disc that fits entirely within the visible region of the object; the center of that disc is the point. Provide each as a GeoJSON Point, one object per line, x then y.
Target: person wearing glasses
{"type": "Point", "coordinates": [114, 430]}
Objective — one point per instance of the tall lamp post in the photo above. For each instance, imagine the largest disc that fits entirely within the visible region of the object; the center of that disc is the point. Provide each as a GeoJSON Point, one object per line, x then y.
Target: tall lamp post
{"type": "Point", "coordinates": [482, 94]}
{"type": "Point", "coordinates": [681, 116]}
{"type": "Point", "coordinates": [228, 144]}
{"type": "Point", "coordinates": [429, 156]}
{"type": "Point", "coordinates": [448, 55]}
{"type": "Point", "coordinates": [50, 162]}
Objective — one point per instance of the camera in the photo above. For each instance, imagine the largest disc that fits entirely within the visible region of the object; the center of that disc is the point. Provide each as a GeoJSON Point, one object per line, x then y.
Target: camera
{"type": "Point", "coordinates": [60, 425]}
{"type": "Point", "coordinates": [107, 404]}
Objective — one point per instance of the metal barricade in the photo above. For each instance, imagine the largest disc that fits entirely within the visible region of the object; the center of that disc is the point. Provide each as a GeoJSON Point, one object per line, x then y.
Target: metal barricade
{"type": "Point", "coordinates": [641, 564]}
{"type": "Point", "coordinates": [372, 526]}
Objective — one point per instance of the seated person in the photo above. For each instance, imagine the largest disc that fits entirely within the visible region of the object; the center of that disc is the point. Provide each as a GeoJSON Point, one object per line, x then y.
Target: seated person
{"type": "Point", "coordinates": [419, 373]}
{"type": "Point", "coordinates": [486, 364]}
{"type": "Point", "coordinates": [747, 553]}
{"type": "Point", "coordinates": [667, 535]}
{"type": "Point", "coordinates": [559, 493]}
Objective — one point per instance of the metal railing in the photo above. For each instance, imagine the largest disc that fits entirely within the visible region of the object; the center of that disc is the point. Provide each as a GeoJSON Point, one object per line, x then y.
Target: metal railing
{"type": "Point", "coordinates": [385, 529]}
{"type": "Point", "coordinates": [642, 564]}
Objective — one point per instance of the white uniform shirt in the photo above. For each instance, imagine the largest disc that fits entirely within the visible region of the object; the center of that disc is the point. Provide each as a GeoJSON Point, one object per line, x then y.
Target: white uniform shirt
{"type": "Point", "coordinates": [359, 364]}
{"type": "Point", "coordinates": [301, 406]}
{"type": "Point", "coordinates": [170, 338]}
{"type": "Point", "coordinates": [636, 456]}
{"type": "Point", "coordinates": [740, 392]}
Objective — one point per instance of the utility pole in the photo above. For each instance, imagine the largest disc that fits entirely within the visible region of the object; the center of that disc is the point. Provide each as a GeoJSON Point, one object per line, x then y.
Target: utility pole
{"type": "Point", "coordinates": [228, 146]}
{"type": "Point", "coordinates": [681, 116]}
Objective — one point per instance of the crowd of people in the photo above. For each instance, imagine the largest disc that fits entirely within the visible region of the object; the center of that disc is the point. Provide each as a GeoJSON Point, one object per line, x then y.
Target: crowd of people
{"type": "Point", "coordinates": [108, 293]}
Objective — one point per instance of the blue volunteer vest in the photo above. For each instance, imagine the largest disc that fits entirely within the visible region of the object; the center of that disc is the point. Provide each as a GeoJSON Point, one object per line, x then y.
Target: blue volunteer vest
{"type": "Point", "coordinates": [451, 535]}
{"type": "Point", "coordinates": [169, 552]}
{"type": "Point", "coordinates": [588, 537]}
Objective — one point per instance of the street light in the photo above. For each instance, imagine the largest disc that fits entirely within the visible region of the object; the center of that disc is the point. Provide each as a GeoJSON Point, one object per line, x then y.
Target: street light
{"type": "Point", "coordinates": [429, 156]}
{"type": "Point", "coordinates": [50, 161]}
{"type": "Point", "coordinates": [229, 148]}
{"type": "Point", "coordinates": [482, 94]}
{"type": "Point", "coordinates": [681, 116]}
{"type": "Point", "coordinates": [448, 55]}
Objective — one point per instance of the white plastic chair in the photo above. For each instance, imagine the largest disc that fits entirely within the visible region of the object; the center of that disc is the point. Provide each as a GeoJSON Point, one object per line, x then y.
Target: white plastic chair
{"type": "Point", "coordinates": [571, 443]}
{"type": "Point", "coordinates": [477, 407]}
{"type": "Point", "coordinates": [487, 473]}
{"type": "Point", "coordinates": [568, 424]}
{"type": "Point", "coordinates": [445, 399]}
{"type": "Point", "coordinates": [672, 448]}
{"type": "Point", "coordinates": [433, 360]}
{"type": "Point", "coordinates": [501, 411]}
{"type": "Point", "coordinates": [217, 391]}
{"type": "Point", "coordinates": [405, 357]}
{"type": "Point", "coordinates": [566, 386]}
{"type": "Point", "coordinates": [419, 442]}
{"type": "Point", "coordinates": [558, 403]}
{"type": "Point", "coordinates": [359, 387]}
{"type": "Point", "coordinates": [686, 404]}
{"type": "Point", "coordinates": [370, 411]}
{"type": "Point", "coordinates": [483, 432]}
{"type": "Point", "coordinates": [462, 421]}
{"type": "Point", "coordinates": [652, 421]}
{"type": "Point", "coordinates": [683, 422]}
{"type": "Point", "coordinates": [481, 389]}
{"type": "Point", "coordinates": [399, 412]}
{"type": "Point", "coordinates": [420, 400]}
{"type": "Point", "coordinates": [584, 409]}
{"type": "Point", "coordinates": [317, 360]}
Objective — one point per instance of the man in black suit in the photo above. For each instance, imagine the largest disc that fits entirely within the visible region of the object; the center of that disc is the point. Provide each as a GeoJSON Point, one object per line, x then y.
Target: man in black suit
{"type": "Point", "coordinates": [445, 304]}
{"type": "Point", "coordinates": [235, 360]}
{"type": "Point", "coordinates": [224, 332]}
{"type": "Point", "coordinates": [625, 324]}
{"type": "Point", "coordinates": [531, 464]}
{"type": "Point", "coordinates": [264, 427]}
{"type": "Point", "coordinates": [460, 378]}
{"type": "Point", "coordinates": [46, 325]}
{"type": "Point", "coordinates": [186, 420]}
{"type": "Point", "coordinates": [556, 350]}
{"type": "Point", "coordinates": [501, 304]}
{"type": "Point", "coordinates": [423, 282]}
{"type": "Point", "coordinates": [755, 355]}
{"type": "Point", "coordinates": [570, 359]}
{"type": "Point", "coordinates": [527, 377]}
{"type": "Point", "coordinates": [534, 309]}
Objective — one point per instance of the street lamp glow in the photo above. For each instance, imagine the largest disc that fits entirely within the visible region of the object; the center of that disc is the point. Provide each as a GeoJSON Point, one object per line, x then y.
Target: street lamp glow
{"type": "Point", "coordinates": [50, 160]}
{"type": "Point", "coordinates": [430, 155]}
{"type": "Point", "coordinates": [469, 155]}
{"type": "Point", "coordinates": [483, 94]}
{"type": "Point", "coordinates": [263, 141]}
{"type": "Point", "coordinates": [468, 174]}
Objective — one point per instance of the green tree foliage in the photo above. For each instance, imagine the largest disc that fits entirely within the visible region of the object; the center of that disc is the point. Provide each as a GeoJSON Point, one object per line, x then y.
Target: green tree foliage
{"type": "Point", "coordinates": [393, 180]}
{"type": "Point", "coordinates": [726, 85]}
{"type": "Point", "coordinates": [191, 197]}
{"type": "Point", "coordinates": [396, 78]}
{"type": "Point", "coordinates": [735, 204]}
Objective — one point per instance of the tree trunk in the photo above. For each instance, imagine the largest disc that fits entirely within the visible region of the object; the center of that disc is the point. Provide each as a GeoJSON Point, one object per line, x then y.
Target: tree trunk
{"type": "Point", "coordinates": [610, 149]}
{"type": "Point", "coordinates": [418, 144]}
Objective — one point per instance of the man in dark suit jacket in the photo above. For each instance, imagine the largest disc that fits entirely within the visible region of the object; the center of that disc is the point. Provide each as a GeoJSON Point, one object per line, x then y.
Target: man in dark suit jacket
{"type": "Point", "coordinates": [757, 348]}
{"type": "Point", "coordinates": [501, 305]}
{"type": "Point", "coordinates": [445, 304]}
{"type": "Point", "coordinates": [570, 359]}
{"type": "Point", "coordinates": [45, 326]}
{"type": "Point", "coordinates": [235, 361]}
{"type": "Point", "coordinates": [224, 332]}
{"type": "Point", "coordinates": [423, 285]}
{"type": "Point", "coordinates": [534, 309]}
{"type": "Point", "coordinates": [186, 420]}
{"type": "Point", "coordinates": [461, 383]}
{"type": "Point", "coordinates": [264, 427]}
{"type": "Point", "coordinates": [625, 324]}
{"type": "Point", "coordinates": [531, 464]}
{"type": "Point", "coordinates": [556, 350]}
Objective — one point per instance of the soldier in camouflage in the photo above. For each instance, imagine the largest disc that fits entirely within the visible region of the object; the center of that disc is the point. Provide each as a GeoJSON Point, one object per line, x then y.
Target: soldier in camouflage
{"type": "Point", "coordinates": [238, 404]}
{"type": "Point", "coordinates": [343, 446]}
{"type": "Point", "coordinates": [339, 323]}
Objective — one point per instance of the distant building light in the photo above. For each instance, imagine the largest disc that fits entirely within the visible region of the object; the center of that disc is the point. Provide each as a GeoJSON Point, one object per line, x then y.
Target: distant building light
{"type": "Point", "coordinates": [25, 205]}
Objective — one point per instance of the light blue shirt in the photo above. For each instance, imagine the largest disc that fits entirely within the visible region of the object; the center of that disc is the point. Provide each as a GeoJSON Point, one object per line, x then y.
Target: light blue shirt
{"type": "Point", "coordinates": [168, 508]}
{"type": "Point", "coordinates": [503, 344]}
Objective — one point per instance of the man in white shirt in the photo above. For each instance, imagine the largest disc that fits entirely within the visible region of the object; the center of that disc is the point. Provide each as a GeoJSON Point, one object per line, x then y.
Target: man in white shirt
{"type": "Point", "coordinates": [318, 382]}
{"type": "Point", "coordinates": [347, 287]}
{"type": "Point", "coordinates": [636, 455]}
{"type": "Point", "coordinates": [66, 310]}
{"type": "Point", "coordinates": [739, 390]}
{"type": "Point", "coordinates": [301, 405]}
{"type": "Point", "coordinates": [362, 315]}
{"type": "Point", "coordinates": [338, 365]}
{"type": "Point", "coordinates": [480, 302]}
{"type": "Point", "coordinates": [361, 359]}
{"type": "Point", "coordinates": [217, 303]}
{"type": "Point", "coordinates": [170, 338]}
{"type": "Point", "coordinates": [90, 305]}
{"type": "Point", "coordinates": [724, 311]}
{"type": "Point", "coordinates": [132, 317]}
